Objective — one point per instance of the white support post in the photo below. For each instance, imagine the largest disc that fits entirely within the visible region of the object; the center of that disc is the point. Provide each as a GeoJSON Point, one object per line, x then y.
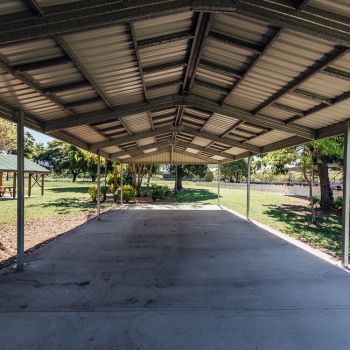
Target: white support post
{"type": "Point", "coordinates": [175, 188]}
{"type": "Point", "coordinates": [20, 192]}
{"type": "Point", "coordinates": [98, 198]}
{"type": "Point", "coordinates": [218, 184]}
{"type": "Point", "coordinates": [121, 183]}
{"type": "Point", "coordinates": [248, 187]}
{"type": "Point", "coordinates": [346, 197]}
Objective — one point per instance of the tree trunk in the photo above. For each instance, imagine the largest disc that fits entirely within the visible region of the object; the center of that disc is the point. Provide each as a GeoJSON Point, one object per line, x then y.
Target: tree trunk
{"type": "Point", "coordinates": [75, 175]}
{"type": "Point", "coordinates": [310, 182]}
{"type": "Point", "coordinates": [326, 191]}
{"type": "Point", "coordinates": [179, 181]}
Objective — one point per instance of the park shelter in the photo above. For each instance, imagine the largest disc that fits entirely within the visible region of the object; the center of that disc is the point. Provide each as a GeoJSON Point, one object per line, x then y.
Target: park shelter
{"type": "Point", "coordinates": [36, 173]}
{"type": "Point", "coordinates": [185, 81]}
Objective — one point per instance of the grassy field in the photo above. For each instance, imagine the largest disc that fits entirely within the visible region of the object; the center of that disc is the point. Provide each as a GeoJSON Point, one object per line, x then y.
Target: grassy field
{"type": "Point", "coordinates": [290, 215]}
{"type": "Point", "coordinates": [61, 197]}
{"type": "Point", "coordinates": [284, 213]}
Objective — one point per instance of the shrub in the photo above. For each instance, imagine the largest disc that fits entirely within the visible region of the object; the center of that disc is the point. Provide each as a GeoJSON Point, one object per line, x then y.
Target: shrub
{"type": "Point", "coordinates": [209, 176]}
{"type": "Point", "coordinates": [93, 192]}
{"type": "Point", "coordinates": [159, 191]}
{"type": "Point", "coordinates": [315, 200]}
{"type": "Point", "coordinates": [129, 193]}
{"type": "Point", "coordinates": [338, 203]}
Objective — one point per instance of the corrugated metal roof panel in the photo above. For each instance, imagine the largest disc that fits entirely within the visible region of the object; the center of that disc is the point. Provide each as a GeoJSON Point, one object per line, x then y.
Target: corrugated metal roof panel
{"type": "Point", "coordinates": [330, 115]}
{"type": "Point", "coordinates": [137, 122]}
{"type": "Point", "coordinates": [8, 162]}
{"type": "Point", "coordinates": [165, 75]}
{"type": "Point", "coordinates": [200, 141]}
{"type": "Point", "coordinates": [112, 149]}
{"type": "Point", "coordinates": [164, 53]}
{"type": "Point", "coordinates": [107, 54]}
{"type": "Point", "coordinates": [286, 59]}
{"type": "Point", "coordinates": [163, 25]}
{"type": "Point", "coordinates": [218, 124]}
{"type": "Point", "coordinates": [32, 51]}
{"type": "Point", "coordinates": [12, 6]}
{"type": "Point", "coordinates": [86, 133]}
{"type": "Point", "coordinates": [146, 141]}
{"type": "Point", "coordinates": [235, 150]}
{"type": "Point", "coordinates": [340, 7]}
{"type": "Point", "coordinates": [76, 94]}
{"type": "Point", "coordinates": [269, 137]}
{"type": "Point", "coordinates": [89, 107]}
{"type": "Point", "coordinates": [163, 91]}
{"type": "Point", "coordinates": [57, 75]}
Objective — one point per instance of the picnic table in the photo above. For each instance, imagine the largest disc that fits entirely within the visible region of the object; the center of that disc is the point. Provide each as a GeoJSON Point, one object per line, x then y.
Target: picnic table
{"type": "Point", "coordinates": [3, 190]}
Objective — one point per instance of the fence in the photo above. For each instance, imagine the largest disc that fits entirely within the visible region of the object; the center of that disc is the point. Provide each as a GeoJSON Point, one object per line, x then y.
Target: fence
{"type": "Point", "coordinates": [290, 189]}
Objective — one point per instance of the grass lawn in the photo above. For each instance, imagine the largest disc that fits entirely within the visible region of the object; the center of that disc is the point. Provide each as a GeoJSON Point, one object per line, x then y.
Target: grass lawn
{"type": "Point", "coordinates": [60, 198]}
{"type": "Point", "coordinates": [284, 213]}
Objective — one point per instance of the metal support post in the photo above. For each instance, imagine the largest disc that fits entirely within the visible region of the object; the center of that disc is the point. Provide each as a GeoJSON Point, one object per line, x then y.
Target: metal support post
{"type": "Point", "coordinates": [121, 183]}
{"type": "Point", "coordinates": [218, 184]}
{"type": "Point", "coordinates": [20, 192]}
{"type": "Point", "coordinates": [248, 187]}
{"type": "Point", "coordinates": [346, 197]}
{"type": "Point", "coordinates": [98, 198]}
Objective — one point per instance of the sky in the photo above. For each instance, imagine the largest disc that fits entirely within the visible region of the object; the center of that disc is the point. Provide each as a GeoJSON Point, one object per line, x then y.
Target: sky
{"type": "Point", "coordinates": [39, 137]}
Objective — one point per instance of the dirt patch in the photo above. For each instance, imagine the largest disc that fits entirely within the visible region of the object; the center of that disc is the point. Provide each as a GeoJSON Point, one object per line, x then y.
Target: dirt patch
{"type": "Point", "coordinates": [38, 232]}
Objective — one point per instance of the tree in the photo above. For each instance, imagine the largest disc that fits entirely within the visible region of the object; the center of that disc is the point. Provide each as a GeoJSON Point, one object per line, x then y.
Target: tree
{"type": "Point", "coordinates": [91, 161]}
{"type": "Point", "coordinates": [190, 171]}
{"type": "Point", "coordinates": [234, 170]}
{"type": "Point", "coordinates": [309, 157]}
{"type": "Point", "coordinates": [8, 137]}
{"type": "Point", "coordinates": [52, 156]}
{"type": "Point", "coordinates": [74, 161]}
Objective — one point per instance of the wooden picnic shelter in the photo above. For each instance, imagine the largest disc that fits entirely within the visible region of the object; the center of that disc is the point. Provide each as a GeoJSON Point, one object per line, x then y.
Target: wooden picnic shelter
{"type": "Point", "coordinates": [36, 174]}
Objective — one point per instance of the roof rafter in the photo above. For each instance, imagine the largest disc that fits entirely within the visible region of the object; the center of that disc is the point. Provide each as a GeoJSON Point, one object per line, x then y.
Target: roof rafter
{"type": "Point", "coordinates": [223, 140]}
{"type": "Point", "coordinates": [254, 62]}
{"type": "Point", "coordinates": [89, 14]}
{"type": "Point", "coordinates": [134, 137]}
{"type": "Point", "coordinates": [327, 59]}
{"type": "Point", "coordinates": [201, 148]}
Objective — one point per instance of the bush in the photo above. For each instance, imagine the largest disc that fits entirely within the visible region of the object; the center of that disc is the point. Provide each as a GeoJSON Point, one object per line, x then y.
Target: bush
{"type": "Point", "coordinates": [315, 200]}
{"type": "Point", "coordinates": [209, 176]}
{"type": "Point", "coordinates": [129, 193]}
{"type": "Point", "coordinates": [159, 191]}
{"type": "Point", "coordinates": [338, 203]}
{"type": "Point", "coordinates": [93, 192]}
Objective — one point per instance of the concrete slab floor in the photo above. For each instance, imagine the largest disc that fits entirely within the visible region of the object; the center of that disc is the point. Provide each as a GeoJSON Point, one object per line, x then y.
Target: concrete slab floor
{"type": "Point", "coordinates": [174, 279]}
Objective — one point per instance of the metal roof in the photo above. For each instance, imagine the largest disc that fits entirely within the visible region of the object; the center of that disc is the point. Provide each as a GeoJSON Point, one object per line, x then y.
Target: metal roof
{"type": "Point", "coordinates": [8, 162]}
{"type": "Point", "coordinates": [177, 81]}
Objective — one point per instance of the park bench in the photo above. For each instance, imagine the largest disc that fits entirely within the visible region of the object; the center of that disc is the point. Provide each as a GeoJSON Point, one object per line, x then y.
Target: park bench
{"type": "Point", "coordinates": [3, 190]}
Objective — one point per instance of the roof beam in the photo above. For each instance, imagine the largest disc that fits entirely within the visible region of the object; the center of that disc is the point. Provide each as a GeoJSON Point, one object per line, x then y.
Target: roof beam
{"type": "Point", "coordinates": [90, 14]}
{"type": "Point", "coordinates": [244, 115]}
{"type": "Point", "coordinates": [337, 73]}
{"type": "Point", "coordinates": [76, 61]}
{"type": "Point", "coordinates": [204, 149]}
{"type": "Point", "coordinates": [254, 62]}
{"type": "Point", "coordinates": [166, 66]}
{"type": "Point", "coordinates": [327, 59]}
{"type": "Point", "coordinates": [134, 137]}
{"type": "Point", "coordinates": [311, 21]}
{"type": "Point", "coordinates": [220, 69]}
{"type": "Point", "coordinates": [233, 127]}
{"type": "Point", "coordinates": [321, 107]}
{"type": "Point", "coordinates": [201, 33]}
{"type": "Point", "coordinates": [35, 7]}
{"type": "Point", "coordinates": [52, 62]}
{"type": "Point", "coordinates": [223, 140]}
{"type": "Point", "coordinates": [110, 115]}
{"type": "Point", "coordinates": [140, 149]}
{"type": "Point", "coordinates": [165, 39]}
{"type": "Point", "coordinates": [34, 85]}
{"type": "Point", "coordinates": [235, 42]}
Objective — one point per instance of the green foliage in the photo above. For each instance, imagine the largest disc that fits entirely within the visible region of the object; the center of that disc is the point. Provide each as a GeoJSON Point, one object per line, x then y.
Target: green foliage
{"type": "Point", "coordinates": [129, 193]}
{"type": "Point", "coordinates": [234, 170]}
{"type": "Point", "coordinates": [93, 192]}
{"type": "Point", "coordinates": [209, 176]}
{"type": "Point", "coordinates": [159, 191]}
{"type": "Point", "coordinates": [315, 200]}
{"type": "Point", "coordinates": [338, 203]}
{"type": "Point", "coordinates": [8, 134]}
